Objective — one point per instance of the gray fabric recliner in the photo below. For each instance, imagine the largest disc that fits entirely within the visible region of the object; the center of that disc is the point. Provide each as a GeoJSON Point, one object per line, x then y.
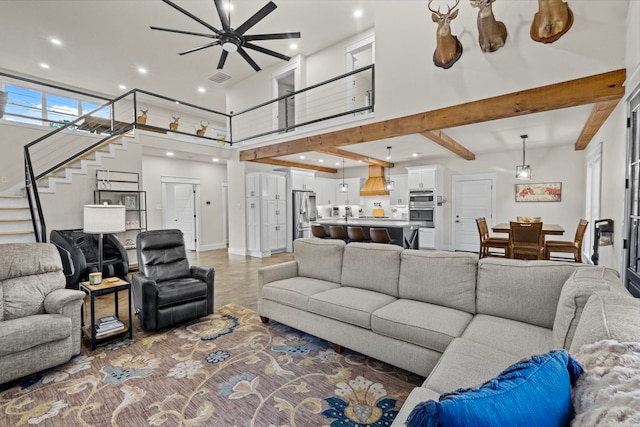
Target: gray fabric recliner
{"type": "Point", "coordinates": [39, 319]}
{"type": "Point", "coordinates": [166, 290]}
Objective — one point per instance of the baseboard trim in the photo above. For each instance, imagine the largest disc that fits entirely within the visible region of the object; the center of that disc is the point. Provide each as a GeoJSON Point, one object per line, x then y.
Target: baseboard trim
{"type": "Point", "coordinates": [237, 251]}
{"type": "Point", "coordinates": [212, 247]}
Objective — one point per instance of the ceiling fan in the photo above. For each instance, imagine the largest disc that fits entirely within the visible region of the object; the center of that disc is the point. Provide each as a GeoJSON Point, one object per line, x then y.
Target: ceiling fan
{"type": "Point", "coordinates": [233, 40]}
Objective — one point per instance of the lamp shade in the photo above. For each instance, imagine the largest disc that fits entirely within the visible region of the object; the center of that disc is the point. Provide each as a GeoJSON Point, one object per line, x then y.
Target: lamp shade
{"type": "Point", "coordinates": [104, 219]}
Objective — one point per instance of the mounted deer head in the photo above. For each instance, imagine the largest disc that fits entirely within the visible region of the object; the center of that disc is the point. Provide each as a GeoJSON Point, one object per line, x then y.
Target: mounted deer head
{"type": "Point", "coordinates": [492, 33]}
{"type": "Point", "coordinates": [174, 124]}
{"type": "Point", "coordinates": [203, 128]}
{"type": "Point", "coordinates": [448, 47]}
{"type": "Point", "coordinates": [142, 118]}
{"type": "Point", "coordinates": [553, 19]}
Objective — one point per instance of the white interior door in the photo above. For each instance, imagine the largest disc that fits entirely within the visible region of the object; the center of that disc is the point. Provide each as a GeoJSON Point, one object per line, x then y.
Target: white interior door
{"type": "Point", "coordinates": [180, 210]}
{"type": "Point", "coordinates": [473, 197]}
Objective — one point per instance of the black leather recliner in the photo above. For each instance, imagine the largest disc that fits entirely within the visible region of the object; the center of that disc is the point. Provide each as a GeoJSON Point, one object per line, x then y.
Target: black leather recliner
{"type": "Point", "coordinates": [79, 253]}
{"type": "Point", "coordinates": [166, 290]}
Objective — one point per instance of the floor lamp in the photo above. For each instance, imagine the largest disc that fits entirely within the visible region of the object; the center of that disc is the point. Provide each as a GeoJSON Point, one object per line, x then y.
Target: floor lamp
{"type": "Point", "coordinates": [103, 219]}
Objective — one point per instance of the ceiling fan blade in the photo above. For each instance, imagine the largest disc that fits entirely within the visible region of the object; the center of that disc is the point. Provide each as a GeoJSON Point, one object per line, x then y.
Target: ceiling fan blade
{"type": "Point", "coordinates": [247, 58]}
{"type": "Point", "coordinates": [192, 16]}
{"type": "Point", "coordinates": [259, 15]}
{"type": "Point", "coordinates": [223, 59]}
{"type": "Point", "coordinates": [276, 36]}
{"type": "Point", "coordinates": [224, 19]}
{"type": "Point", "coordinates": [266, 51]}
{"type": "Point", "coordinates": [204, 46]}
{"type": "Point", "coordinates": [211, 36]}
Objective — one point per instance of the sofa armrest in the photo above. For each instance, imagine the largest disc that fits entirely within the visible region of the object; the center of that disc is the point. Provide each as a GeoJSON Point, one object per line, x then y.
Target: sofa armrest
{"type": "Point", "coordinates": [418, 395]}
{"type": "Point", "coordinates": [68, 303]}
{"type": "Point", "coordinates": [207, 275]}
{"type": "Point", "coordinates": [273, 273]}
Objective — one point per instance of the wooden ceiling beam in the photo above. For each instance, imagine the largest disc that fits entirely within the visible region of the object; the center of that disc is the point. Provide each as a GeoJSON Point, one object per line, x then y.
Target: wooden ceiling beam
{"type": "Point", "coordinates": [296, 165]}
{"type": "Point", "coordinates": [449, 143]}
{"type": "Point", "coordinates": [600, 113]}
{"type": "Point", "coordinates": [354, 156]}
{"type": "Point", "coordinates": [587, 90]}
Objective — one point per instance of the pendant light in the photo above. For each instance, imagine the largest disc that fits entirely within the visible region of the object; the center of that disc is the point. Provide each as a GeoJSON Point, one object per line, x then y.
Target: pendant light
{"type": "Point", "coordinates": [523, 171]}
{"type": "Point", "coordinates": [390, 185]}
{"type": "Point", "coordinates": [343, 187]}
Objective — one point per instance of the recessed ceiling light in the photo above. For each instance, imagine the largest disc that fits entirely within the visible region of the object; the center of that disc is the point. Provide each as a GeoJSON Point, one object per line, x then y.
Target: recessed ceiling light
{"type": "Point", "coordinates": [170, 153]}
{"type": "Point", "coordinates": [293, 46]}
{"type": "Point", "coordinates": [337, 163]}
{"type": "Point", "coordinates": [321, 161]}
{"type": "Point", "coordinates": [122, 87]}
{"type": "Point", "coordinates": [357, 13]}
{"type": "Point", "coordinates": [301, 157]}
{"type": "Point", "coordinates": [215, 159]}
{"type": "Point", "coordinates": [359, 161]}
{"type": "Point", "coordinates": [201, 90]}
{"type": "Point", "coordinates": [45, 66]}
{"type": "Point", "coordinates": [227, 6]}
{"type": "Point", "coordinates": [56, 42]}
{"type": "Point", "coordinates": [177, 102]}
{"type": "Point", "coordinates": [415, 154]}
{"type": "Point", "coordinates": [142, 70]}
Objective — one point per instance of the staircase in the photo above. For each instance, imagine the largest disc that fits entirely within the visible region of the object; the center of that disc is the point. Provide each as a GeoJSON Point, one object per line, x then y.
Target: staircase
{"type": "Point", "coordinates": [16, 225]}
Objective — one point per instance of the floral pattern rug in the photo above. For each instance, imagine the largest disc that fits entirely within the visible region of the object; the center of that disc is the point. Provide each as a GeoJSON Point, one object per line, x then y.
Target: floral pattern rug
{"type": "Point", "coordinates": [227, 369]}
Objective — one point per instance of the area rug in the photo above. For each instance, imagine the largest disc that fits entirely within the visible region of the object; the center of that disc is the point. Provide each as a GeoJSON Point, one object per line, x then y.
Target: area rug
{"type": "Point", "coordinates": [227, 369]}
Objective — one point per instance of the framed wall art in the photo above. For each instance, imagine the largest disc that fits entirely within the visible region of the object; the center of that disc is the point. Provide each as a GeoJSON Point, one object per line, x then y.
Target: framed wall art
{"type": "Point", "coordinates": [542, 192]}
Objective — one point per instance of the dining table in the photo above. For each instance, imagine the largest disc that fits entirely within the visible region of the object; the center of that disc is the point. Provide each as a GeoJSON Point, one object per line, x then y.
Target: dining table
{"type": "Point", "coordinates": [552, 229]}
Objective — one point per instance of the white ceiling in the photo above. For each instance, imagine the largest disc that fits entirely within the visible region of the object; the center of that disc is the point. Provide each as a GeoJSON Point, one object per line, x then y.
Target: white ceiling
{"type": "Point", "coordinates": [105, 41]}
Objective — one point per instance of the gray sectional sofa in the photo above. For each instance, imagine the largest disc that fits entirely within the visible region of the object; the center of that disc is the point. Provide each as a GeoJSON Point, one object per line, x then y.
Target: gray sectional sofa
{"type": "Point", "coordinates": [448, 316]}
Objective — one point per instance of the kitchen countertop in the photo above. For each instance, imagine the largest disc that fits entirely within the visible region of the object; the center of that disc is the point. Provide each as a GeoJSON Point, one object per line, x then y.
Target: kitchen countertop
{"type": "Point", "coordinates": [374, 222]}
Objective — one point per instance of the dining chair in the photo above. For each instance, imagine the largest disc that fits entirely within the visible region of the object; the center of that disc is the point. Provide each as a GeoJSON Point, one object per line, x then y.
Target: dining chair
{"type": "Point", "coordinates": [526, 240]}
{"type": "Point", "coordinates": [487, 242]}
{"type": "Point", "coordinates": [380, 235]}
{"type": "Point", "coordinates": [356, 234]}
{"type": "Point", "coordinates": [318, 231]}
{"type": "Point", "coordinates": [337, 232]}
{"type": "Point", "coordinates": [565, 246]}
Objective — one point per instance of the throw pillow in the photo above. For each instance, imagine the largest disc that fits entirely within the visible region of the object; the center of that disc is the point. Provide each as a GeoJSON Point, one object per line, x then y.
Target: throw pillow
{"type": "Point", "coordinates": [608, 393]}
{"type": "Point", "coordinates": [533, 392]}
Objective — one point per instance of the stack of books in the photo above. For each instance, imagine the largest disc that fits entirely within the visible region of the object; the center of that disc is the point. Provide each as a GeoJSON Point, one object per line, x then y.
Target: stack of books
{"type": "Point", "coordinates": [107, 325]}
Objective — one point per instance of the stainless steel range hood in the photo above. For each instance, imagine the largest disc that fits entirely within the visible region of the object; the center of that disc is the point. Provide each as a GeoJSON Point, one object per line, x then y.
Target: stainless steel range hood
{"type": "Point", "coordinates": [376, 184]}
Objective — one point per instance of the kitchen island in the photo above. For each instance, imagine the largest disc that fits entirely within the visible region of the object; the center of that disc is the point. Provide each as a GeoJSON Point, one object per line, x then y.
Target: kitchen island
{"type": "Point", "coordinates": [403, 232]}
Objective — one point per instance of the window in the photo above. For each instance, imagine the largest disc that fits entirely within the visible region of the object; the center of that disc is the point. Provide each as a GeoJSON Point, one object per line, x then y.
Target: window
{"type": "Point", "coordinates": [22, 104]}
{"type": "Point", "coordinates": [633, 199]}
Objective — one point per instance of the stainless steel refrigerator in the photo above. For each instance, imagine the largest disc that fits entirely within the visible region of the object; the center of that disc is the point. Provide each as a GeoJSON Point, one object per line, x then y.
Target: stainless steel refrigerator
{"type": "Point", "coordinates": [304, 212]}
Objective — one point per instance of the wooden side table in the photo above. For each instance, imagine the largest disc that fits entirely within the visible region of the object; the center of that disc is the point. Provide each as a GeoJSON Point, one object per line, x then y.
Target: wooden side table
{"type": "Point", "coordinates": [108, 286]}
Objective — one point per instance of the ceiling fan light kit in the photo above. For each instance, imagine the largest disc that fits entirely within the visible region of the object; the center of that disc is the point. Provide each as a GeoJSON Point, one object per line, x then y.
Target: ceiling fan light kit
{"type": "Point", "coordinates": [233, 40]}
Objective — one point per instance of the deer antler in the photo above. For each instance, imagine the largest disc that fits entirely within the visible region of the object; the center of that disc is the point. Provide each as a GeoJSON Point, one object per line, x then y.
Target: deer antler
{"type": "Point", "coordinates": [449, 9]}
{"type": "Point", "coordinates": [203, 125]}
{"type": "Point", "coordinates": [175, 118]}
{"type": "Point", "coordinates": [143, 110]}
{"type": "Point", "coordinates": [434, 11]}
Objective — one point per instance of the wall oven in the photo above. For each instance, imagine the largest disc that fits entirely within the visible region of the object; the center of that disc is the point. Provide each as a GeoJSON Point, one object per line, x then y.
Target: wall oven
{"type": "Point", "coordinates": [422, 205]}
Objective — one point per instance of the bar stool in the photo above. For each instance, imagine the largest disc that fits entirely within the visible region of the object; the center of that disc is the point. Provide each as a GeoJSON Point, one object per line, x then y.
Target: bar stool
{"type": "Point", "coordinates": [380, 235]}
{"type": "Point", "coordinates": [356, 234]}
{"type": "Point", "coordinates": [337, 232]}
{"type": "Point", "coordinates": [318, 231]}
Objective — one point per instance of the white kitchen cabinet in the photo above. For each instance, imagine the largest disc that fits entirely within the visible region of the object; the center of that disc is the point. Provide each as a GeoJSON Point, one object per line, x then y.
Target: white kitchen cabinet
{"type": "Point", "coordinates": [302, 180]}
{"type": "Point", "coordinates": [274, 217]}
{"type": "Point", "coordinates": [252, 183]}
{"type": "Point", "coordinates": [400, 193]}
{"type": "Point", "coordinates": [350, 197]}
{"type": "Point", "coordinates": [325, 191]}
{"type": "Point", "coordinates": [427, 238]}
{"type": "Point", "coordinates": [273, 186]}
{"type": "Point", "coordinates": [253, 224]}
{"type": "Point", "coordinates": [422, 178]}
{"type": "Point", "coordinates": [266, 213]}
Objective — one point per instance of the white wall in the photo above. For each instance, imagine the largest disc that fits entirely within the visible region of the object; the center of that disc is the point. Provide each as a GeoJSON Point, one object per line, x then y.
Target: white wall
{"type": "Point", "coordinates": [211, 177]}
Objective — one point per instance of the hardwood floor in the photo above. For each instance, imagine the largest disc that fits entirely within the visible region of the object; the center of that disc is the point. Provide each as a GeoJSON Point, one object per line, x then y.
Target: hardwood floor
{"type": "Point", "coordinates": [236, 279]}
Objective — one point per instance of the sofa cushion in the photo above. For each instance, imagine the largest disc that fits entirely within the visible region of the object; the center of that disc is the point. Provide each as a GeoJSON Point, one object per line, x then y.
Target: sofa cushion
{"type": "Point", "coordinates": [535, 392]}
{"type": "Point", "coordinates": [467, 364]}
{"type": "Point", "coordinates": [349, 305]}
{"type": "Point", "coordinates": [527, 291]}
{"type": "Point", "coordinates": [519, 338]}
{"type": "Point", "coordinates": [295, 292]}
{"type": "Point", "coordinates": [608, 315]}
{"type": "Point", "coordinates": [575, 293]}
{"type": "Point", "coordinates": [27, 332]}
{"type": "Point", "coordinates": [444, 278]}
{"type": "Point", "coordinates": [319, 258]}
{"type": "Point", "coordinates": [427, 325]}
{"type": "Point", "coordinates": [372, 266]}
